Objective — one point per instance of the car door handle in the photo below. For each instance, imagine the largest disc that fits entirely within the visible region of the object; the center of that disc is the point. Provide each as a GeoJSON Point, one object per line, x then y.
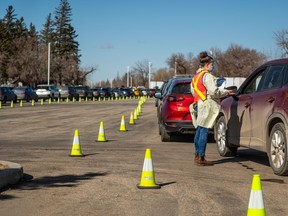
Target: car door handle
{"type": "Point", "coordinates": [271, 99]}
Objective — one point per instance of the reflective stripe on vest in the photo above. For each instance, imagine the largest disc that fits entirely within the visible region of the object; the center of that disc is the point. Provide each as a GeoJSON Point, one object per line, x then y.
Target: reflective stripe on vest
{"type": "Point", "coordinates": [199, 87]}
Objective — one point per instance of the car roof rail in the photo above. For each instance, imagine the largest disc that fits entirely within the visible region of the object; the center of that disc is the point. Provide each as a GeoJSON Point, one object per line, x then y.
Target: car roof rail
{"type": "Point", "coordinates": [183, 76]}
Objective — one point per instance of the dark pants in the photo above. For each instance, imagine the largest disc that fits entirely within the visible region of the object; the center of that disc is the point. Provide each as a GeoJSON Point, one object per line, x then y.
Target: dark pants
{"type": "Point", "coordinates": [200, 140]}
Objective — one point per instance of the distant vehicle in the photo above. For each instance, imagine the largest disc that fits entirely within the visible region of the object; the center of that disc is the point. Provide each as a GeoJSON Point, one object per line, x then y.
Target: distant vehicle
{"type": "Point", "coordinates": [125, 92]}
{"type": "Point", "coordinates": [84, 92]}
{"type": "Point", "coordinates": [25, 93]}
{"type": "Point", "coordinates": [45, 91]}
{"type": "Point", "coordinates": [6, 94]}
{"type": "Point", "coordinates": [68, 92]}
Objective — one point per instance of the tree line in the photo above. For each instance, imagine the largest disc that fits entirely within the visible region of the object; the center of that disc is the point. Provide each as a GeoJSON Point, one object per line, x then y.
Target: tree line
{"type": "Point", "coordinates": [23, 55]}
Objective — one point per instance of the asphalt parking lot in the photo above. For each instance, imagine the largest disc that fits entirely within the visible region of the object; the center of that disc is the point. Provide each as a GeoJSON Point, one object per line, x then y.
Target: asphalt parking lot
{"type": "Point", "coordinates": [104, 181]}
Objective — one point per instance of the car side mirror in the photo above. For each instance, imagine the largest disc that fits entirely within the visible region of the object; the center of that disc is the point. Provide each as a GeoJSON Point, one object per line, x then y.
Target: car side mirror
{"type": "Point", "coordinates": [158, 95]}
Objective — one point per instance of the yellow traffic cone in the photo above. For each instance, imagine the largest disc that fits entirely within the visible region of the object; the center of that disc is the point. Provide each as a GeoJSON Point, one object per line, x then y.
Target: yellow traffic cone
{"type": "Point", "coordinates": [80, 99]}
{"type": "Point", "coordinates": [135, 116]}
{"type": "Point", "coordinates": [131, 121]}
{"type": "Point", "coordinates": [21, 103]}
{"type": "Point", "coordinates": [50, 101]}
{"type": "Point", "coordinates": [101, 134]}
{"type": "Point", "coordinates": [147, 177]}
{"type": "Point", "coordinates": [12, 104]}
{"type": "Point", "coordinates": [122, 125]}
{"type": "Point", "coordinates": [42, 101]}
{"type": "Point", "coordinates": [67, 100]}
{"type": "Point", "coordinates": [33, 102]}
{"type": "Point", "coordinates": [256, 204]}
{"type": "Point", "coordinates": [0, 104]}
{"type": "Point", "coordinates": [76, 148]}
{"type": "Point", "coordinates": [58, 101]}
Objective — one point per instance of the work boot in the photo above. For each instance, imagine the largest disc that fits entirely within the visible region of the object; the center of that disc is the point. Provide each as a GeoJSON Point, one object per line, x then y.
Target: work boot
{"type": "Point", "coordinates": [197, 159]}
{"type": "Point", "coordinates": [203, 162]}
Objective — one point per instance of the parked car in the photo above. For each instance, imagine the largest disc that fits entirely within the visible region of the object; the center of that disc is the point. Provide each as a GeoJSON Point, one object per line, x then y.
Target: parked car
{"type": "Point", "coordinates": [173, 108]}
{"type": "Point", "coordinates": [6, 94]}
{"type": "Point", "coordinates": [84, 92]}
{"type": "Point", "coordinates": [25, 93]}
{"type": "Point", "coordinates": [45, 91]}
{"type": "Point", "coordinates": [68, 92]}
{"type": "Point", "coordinates": [96, 93]}
{"type": "Point", "coordinates": [125, 92]}
{"type": "Point", "coordinates": [257, 116]}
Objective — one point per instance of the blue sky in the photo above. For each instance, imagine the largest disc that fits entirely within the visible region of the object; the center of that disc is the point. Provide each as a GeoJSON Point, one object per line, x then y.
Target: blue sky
{"type": "Point", "coordinates": [115, 34]}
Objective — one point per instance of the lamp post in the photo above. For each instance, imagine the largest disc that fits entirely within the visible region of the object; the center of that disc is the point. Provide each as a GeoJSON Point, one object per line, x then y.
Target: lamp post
{"type": "Point", "coordinates": [149, 77]}
{"type": "Point", "coordinates": [48, 79]}
{"type": "Point", "coordinates": [127, 76]}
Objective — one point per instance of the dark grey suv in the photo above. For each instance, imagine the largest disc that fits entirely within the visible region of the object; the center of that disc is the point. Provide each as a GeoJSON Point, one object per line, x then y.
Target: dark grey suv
{"type": "Point", "coordinates": [6, 94]}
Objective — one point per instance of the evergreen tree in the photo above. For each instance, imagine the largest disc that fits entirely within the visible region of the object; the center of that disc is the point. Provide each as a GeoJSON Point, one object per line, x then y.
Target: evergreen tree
{"type": "Point", "coordinates": [66, 47]}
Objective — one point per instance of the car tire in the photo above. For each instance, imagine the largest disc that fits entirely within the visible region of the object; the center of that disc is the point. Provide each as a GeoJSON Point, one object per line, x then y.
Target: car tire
{"type": "Point", "coordinates": [221, 139]}
{"type": "Point", "coordinates": [277, 150]}
{"type": "Point", "coordinates": [165, 136]}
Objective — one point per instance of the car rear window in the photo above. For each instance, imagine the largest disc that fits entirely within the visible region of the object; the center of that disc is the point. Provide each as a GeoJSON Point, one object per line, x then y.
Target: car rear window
{"type": "Point", "coordinates": [182, 88]}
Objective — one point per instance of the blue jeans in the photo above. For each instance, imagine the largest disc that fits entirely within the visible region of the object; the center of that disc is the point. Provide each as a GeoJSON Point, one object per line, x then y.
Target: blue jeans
{"type": "Point", "coordinates": [200, 140]}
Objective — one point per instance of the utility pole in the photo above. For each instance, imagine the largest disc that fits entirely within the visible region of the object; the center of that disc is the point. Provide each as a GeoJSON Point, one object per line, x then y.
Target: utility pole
{"type": "Point", "coordinates": [149, 78]}
{"type": "Point", "coordinates": [127, 76]}
{"type": "Point", "coordinates": [48, 80]}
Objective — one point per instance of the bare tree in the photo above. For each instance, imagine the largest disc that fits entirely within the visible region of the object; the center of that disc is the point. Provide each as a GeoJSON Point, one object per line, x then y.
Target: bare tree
{"type": "Point", "coordinates": [238, 61]}
{"type": "Point", "coordinates": [163, 74]}
{"type": "Point", "coordinates": [282, 41]}
{"type": "Point", "coordinates": [141, 73]}
{"type": "Point", "coordinates": [180, 64]}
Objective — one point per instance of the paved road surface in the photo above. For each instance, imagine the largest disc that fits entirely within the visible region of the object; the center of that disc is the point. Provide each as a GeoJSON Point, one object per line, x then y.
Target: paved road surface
{"type": "Point", "coordinates": [104, 181]}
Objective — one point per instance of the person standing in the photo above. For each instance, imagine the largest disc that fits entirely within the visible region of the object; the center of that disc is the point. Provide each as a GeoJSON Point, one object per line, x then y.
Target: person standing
{"type": "Point", "coordinates": [206, 105]}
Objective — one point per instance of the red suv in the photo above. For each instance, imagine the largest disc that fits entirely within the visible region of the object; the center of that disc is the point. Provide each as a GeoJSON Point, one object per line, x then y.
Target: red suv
{"type": "Point", "coordinates": [257, 116]}
{"type": "Point", "coordinates": [173, 108]}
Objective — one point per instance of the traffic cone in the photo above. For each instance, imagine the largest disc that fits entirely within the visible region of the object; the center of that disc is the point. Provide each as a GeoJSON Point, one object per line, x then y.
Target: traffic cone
{"type": "Point", "coordinates": [33, 102]}
{"type": "Point", "coordinates": [123, 125]}
{"type": "Point", "coordinates": [58, 101]}
{"type": "Point", "coordinates": [21, 103]}
{"type": "Point", "coordinates": [76, 148]}
{"type": "Point", "coordinates": [101, 134]}
{"type": "Point", "coordinates": [12, 104]}
{"type": "Point", "coordinates": [147, 177]}
{"type": "Point", "coordinates": [131, 121]}
{"type": "Point", "coordinates": [0, 104]}
{"type": "Point", "coordinates": [135, 116]}
{"type": "Point", "coordinates": [256, 204]}
{"type": "Point", "coordinates": [50, 101]}
{"type": "Point", "coordinates": [42, 101]}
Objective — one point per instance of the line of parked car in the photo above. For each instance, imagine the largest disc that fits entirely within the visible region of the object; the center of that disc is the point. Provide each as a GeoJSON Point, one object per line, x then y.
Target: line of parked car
{"type": "Point", "coordinates": [256, 117]}
{"type": "Point", "coordinates": [46, 92]}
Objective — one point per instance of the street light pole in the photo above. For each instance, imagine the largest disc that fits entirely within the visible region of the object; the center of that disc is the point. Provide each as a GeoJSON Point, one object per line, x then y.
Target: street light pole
{"type": "Point", "coordinates": [127, 76]}
{"type": "Point", "coordinates": [48, 80]}
{"type": "Point", "coordinates": [149, 79]}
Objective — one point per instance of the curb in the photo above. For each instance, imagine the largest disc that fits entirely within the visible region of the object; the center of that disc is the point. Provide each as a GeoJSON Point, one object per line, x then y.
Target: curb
{"type": "Point", "coordinates": [10, 173]}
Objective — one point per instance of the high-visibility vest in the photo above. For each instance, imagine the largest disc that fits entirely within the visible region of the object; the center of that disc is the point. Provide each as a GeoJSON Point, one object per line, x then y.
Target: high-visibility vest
{"type": "Point", "coordinates": [200, 91]}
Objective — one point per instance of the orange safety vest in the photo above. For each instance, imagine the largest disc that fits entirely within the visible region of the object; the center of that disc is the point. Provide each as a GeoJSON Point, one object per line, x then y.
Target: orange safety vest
{"type": "Point", "coordinates": [200, 91]}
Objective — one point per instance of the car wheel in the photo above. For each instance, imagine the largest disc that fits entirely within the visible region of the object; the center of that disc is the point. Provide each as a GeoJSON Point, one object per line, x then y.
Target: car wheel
{"type": "Point", "coordinates": [165, 136]}
{"type": "Point", "coordinates": [277, 151]}
{"type": "Point", "coordinates": [221, 139]}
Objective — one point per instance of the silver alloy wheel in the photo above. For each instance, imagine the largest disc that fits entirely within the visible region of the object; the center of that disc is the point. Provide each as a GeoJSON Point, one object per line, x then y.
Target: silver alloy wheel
{"type": "Point", "coordinates": [221, 136]}
{"type": "Point", "coordinates": [278, 150]}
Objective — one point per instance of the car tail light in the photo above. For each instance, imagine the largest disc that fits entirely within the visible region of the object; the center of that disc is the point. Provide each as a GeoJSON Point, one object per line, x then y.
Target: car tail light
{"type": "Point", "coordinates": [69, 92]}
{"type": "Point", "coordinates": [175, 98]}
